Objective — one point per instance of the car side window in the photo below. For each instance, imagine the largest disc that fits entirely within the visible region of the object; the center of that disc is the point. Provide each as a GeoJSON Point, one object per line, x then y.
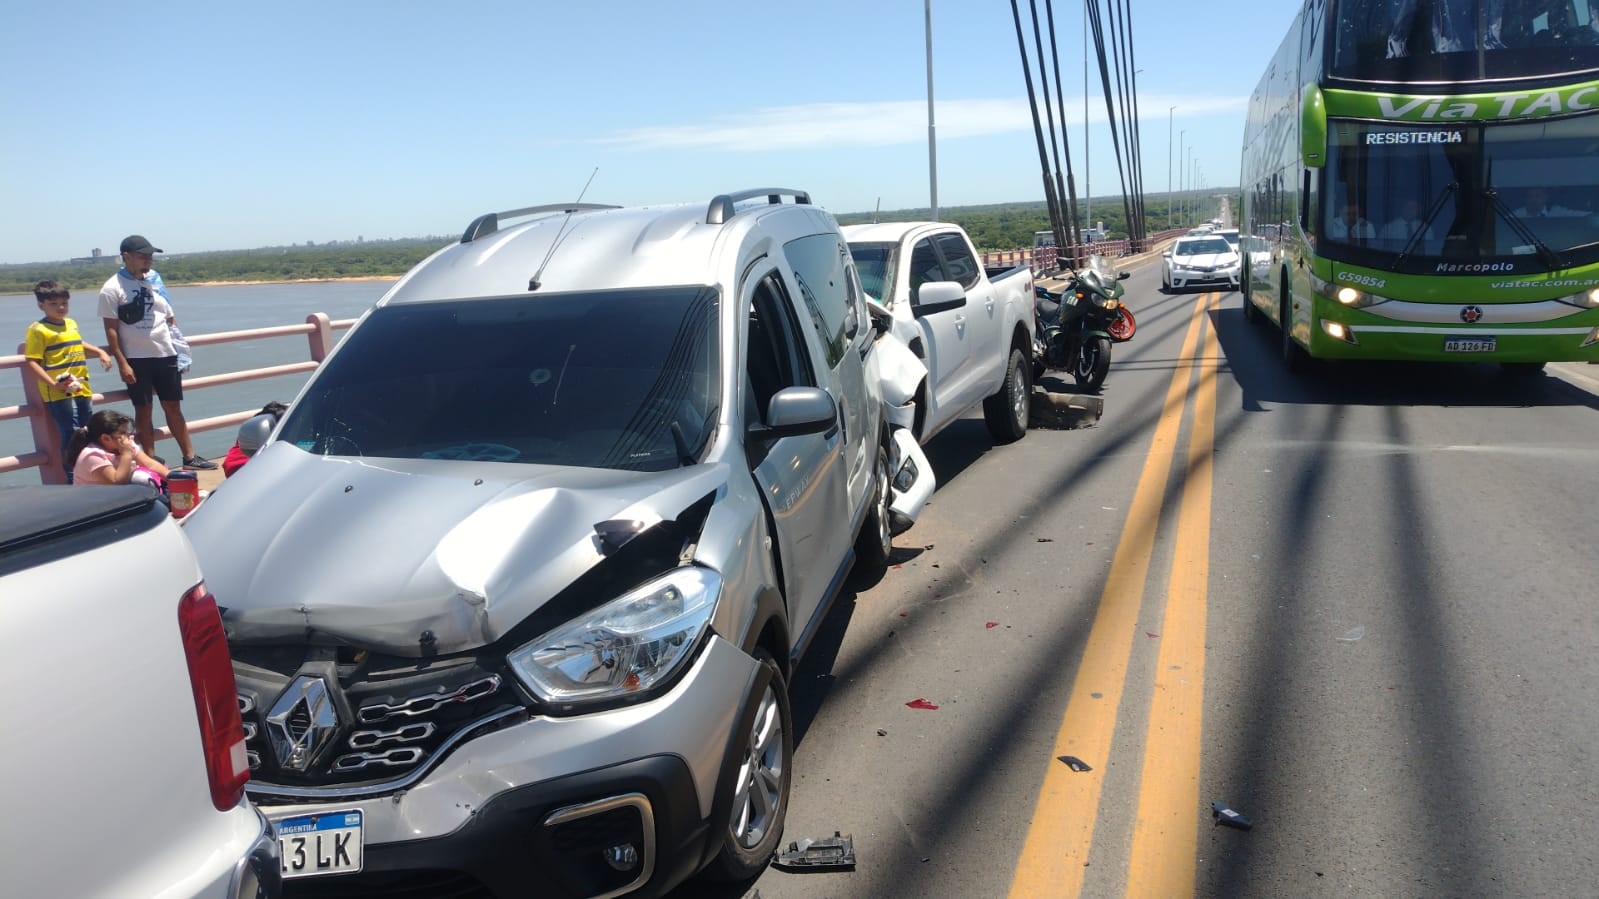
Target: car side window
{"type": "Point", "coordinates": [776, 348]}
{"type": "Point", "coordinates": [824, 284]}
{"type": "Point", "coordinates": [925, 267]}
{"type": "Point", "coordinates": [958, 260]}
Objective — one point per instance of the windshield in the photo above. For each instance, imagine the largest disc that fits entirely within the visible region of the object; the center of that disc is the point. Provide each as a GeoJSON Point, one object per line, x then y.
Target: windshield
{"type": "Point", "coordinates": [1103, 266]}
{"type": "Point", "coordinates": [615, 379]}
{"type": "Point", "coordinates": [874, 263]}
{"type": "Point", "coordinates": [1461, 193]}
{"type": "Point", "coordinates": [1203, 247]}
{"type": "Point", "coordinates": [1463, 40]}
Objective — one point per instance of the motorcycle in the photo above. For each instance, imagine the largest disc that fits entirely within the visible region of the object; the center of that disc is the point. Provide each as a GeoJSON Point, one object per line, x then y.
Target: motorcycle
{"type": "Point", "coordinates": [1077, 326]}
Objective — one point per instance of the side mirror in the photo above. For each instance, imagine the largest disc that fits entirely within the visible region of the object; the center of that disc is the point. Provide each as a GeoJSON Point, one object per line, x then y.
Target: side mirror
{"type": "Point", "coordinates": [1166, 255]}
{"type": "Point", "coordinates": [794, 411]}
{"type": "Point", "coordinates": [1123, 276]}
{"type": "Point", "coordinates": [938, 296]}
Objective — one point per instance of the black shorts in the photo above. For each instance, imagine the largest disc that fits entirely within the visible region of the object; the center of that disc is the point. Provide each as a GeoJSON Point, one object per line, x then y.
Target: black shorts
{"type": "Point", "coordinates": [159, 376]}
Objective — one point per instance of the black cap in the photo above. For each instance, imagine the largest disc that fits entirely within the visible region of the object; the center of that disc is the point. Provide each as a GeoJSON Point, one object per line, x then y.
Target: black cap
{"type": "Point", "coordinates": [136, 243]}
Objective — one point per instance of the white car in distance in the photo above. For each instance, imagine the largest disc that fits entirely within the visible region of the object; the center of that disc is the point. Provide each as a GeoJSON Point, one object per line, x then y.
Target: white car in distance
{"type": "Point", "coordinates": [1199, 261]}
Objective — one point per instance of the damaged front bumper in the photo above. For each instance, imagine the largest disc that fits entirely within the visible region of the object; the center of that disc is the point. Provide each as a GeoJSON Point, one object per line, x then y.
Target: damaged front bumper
{"type": "Point", "coordinates": [913, 480]}
{"type": "Point", "coordinates": [584, 805]}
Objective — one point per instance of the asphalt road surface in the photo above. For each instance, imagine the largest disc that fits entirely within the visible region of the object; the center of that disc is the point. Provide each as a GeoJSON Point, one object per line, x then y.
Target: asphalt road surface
{"type": "Point", "coordinates": [1360, 607]}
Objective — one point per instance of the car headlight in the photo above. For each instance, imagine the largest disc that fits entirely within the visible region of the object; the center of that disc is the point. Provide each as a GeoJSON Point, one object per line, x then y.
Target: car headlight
{"type": "Point", "coordinates": [1586, 299]}
{"type": "Point", "coordinates": [625, 647]}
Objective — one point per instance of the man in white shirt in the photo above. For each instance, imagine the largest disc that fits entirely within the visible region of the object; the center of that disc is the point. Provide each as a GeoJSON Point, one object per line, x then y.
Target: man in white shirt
{"type": "Point", "coordinates": [1407, 224]}
{"type": "Point", "coordinates": [1350, 225]}
{"type": "Point", "coordinates": [1536, 205]}
{"type": "Point", "coordinates": [138, 330]}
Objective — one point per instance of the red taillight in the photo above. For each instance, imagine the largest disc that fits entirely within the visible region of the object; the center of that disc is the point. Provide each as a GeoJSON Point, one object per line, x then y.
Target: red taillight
{"type": "Point", "coordinates": [216, 700]}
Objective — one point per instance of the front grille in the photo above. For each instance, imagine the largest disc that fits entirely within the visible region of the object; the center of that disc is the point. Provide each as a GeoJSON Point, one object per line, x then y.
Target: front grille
{"type": "Point", "coordinates": [395, 716]}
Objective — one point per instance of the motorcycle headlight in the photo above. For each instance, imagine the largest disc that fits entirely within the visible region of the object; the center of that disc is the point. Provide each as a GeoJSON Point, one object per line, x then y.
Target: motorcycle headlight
{"type": "Point", "coordinates": [625, 647]}
{"type": "Point", "coordinates": [1110, 304]}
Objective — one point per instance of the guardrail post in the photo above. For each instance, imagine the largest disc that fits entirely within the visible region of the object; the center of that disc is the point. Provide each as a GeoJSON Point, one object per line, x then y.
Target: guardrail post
{"type": "Point", "coordinates": [45, 438]}
{"type": "Point", "coordinates": [321, 339]}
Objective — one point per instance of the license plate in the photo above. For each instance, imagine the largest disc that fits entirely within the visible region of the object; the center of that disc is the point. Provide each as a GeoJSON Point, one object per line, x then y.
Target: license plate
{"type": "Point", "coordinates": [328, 843]}
{"type": "Point", "coordinates": [1470, 345]}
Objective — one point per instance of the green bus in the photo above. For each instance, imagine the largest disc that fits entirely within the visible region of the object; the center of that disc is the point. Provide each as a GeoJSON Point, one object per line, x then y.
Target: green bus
{"type": "Point", "coordinates": [1421, 182]}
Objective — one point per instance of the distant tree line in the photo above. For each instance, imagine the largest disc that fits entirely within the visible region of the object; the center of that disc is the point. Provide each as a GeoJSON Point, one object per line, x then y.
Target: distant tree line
{"type": "Point", "coordinates": [994, 227]}
{"type": "Point", "coordinates": [1010, 226]}
{"type": "Point", "coordinates": [366, 259]}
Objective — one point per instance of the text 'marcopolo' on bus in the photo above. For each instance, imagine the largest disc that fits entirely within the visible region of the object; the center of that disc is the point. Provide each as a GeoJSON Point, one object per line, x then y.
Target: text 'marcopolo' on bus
{"type": "Point", "coordinates": [1421, 181]}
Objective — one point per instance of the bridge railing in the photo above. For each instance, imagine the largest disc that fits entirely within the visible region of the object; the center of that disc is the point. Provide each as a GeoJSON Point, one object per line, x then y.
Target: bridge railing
{"type": "Point", "coordinates": [1048, 259]}
{"type": "Point", "coordinates": [46, 455]}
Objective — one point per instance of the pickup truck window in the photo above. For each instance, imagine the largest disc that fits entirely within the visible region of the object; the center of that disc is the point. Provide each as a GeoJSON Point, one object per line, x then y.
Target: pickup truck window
{"type": "Point", "coordinates": [959, 262]}
{"type": "Point", "coordinates": [875, 263]}
{"type": "Point", "coordinates": [586, 379]}
{"type": "Point", "coordinates": [925, 266]}
{"type": "Point", "coordinates": [818, 263]}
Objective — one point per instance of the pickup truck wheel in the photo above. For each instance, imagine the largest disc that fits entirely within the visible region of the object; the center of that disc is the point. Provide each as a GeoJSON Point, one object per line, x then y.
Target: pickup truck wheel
{"type": "Point", "coordinates": [760, 790]}
{"type": "Point", "coordinates": [1006, 411]}
{"type": "Point", "coordinates": [876, 539]}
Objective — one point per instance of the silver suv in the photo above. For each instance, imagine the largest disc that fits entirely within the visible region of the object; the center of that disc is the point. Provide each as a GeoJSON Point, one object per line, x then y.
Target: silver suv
{"type": "Point", "coordinates": [515, 590]}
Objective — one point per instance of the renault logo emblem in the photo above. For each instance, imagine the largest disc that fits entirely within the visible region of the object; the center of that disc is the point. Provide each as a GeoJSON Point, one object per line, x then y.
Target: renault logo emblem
{"type": "Point", "coordinates": [302, 722]}
{"type": "Point", "coordinates": [1471, 314]}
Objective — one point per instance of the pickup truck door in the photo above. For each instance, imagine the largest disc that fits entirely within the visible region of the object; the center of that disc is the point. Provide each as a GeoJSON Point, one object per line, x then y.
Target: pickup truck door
{"type": "Point", "coordinates": [984, 319]}
{"type": "Point", "coordinates": [802, 478]}
{"type": "Point", "coordinates": [945, 337]}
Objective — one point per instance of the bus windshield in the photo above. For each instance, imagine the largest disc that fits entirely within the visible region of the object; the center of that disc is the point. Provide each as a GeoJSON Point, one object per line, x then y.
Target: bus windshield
{"type": "Point", "coordinates": [1410, 41]}
{"type": "Point", "coordinates": [1465, 193]}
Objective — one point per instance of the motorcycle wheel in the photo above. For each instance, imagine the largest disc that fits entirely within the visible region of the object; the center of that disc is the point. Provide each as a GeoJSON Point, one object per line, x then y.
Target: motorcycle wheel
{"type": "Point", "coordinates": [1123, 326]}
{"type": "Point", "coordinates": [1092, 363]}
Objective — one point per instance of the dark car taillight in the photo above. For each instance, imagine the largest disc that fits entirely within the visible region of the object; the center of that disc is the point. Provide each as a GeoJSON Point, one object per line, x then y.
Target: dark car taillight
{"type": "Point", "coordinates": [216, 700]}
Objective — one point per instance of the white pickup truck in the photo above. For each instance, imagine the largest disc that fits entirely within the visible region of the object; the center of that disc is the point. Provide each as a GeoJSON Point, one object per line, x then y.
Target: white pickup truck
{"type": "Point", "coordinates": [973, 328]}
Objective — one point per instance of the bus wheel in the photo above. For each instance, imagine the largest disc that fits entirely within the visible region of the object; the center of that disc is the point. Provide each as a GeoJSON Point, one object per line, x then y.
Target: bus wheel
{"type": "Point", "coordinates": [1520, 369]}
{"type": "Point", "coordinates": [1293, 354]}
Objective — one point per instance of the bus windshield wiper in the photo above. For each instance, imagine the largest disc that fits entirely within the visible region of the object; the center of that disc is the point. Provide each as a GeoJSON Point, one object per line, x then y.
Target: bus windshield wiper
{"type": "Point", "coordinates": [1426, 220]}
{"type": "Point", "coordinates": [1549, 257]}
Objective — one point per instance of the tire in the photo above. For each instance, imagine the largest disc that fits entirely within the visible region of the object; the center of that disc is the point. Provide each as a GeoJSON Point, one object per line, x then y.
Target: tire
{"type": "Point", "coordinates": [1521, 369]}
{"type": "Point", "coordinates": [1165, 283]}
{"type": "Point", "coordinates": [876, 539]}
{"type": "Point", "coordinates": [763, 773]}
{"type": "Point", "coordinates": [1293, 355]}
{"type": "Point", "coordinates": [1123, 326]}
{"type": "Point", "coordinates": [1092, 363]}
{"type": "Point", "coordinates": [1006, 411]}
{"type": "Point", "coordinates": [1251, 314]}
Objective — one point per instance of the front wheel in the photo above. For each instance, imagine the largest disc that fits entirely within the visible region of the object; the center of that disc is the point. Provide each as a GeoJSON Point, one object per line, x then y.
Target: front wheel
{"type": "Point", "coordinates": [1093, 362]}
{"type": "Point", "coordinates": [761, 785]}
{"type": "Point", "coordinates": [1006, 411]}
{"type": "Point", "coordinates": [876, 539]}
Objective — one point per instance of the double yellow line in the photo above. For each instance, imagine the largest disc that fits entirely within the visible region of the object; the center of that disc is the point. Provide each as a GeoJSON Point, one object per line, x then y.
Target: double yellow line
{"type": "Point", "coordinates": [1166, 833]}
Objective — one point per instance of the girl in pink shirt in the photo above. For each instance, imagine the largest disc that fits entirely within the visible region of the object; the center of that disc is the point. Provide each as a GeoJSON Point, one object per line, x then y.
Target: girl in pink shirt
{"type": "Point", "coordinates": [106, 453]}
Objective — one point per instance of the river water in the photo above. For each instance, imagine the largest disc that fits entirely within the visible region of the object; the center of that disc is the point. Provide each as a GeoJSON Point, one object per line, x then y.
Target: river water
{"type": "Point", "coordinates": [199, 310]}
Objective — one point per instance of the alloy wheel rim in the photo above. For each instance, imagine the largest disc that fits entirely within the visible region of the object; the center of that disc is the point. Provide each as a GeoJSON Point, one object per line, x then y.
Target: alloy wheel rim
{"type": "Point", "coordinates": [760, 777]}
{"type": "Point", "coordinates": [884, 537]}
{"type": "Point", "coordinates": [1019, 389]}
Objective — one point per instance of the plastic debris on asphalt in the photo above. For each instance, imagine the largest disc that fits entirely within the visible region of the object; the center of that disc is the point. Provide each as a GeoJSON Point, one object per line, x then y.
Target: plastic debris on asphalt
{"type": "Point", "coordinates": [1352, 635]}
{"type": "Point", "coordinates": [1225, 815]}
{"type": "Point", "coordinates": [991, 624]}
{"type": "Point", "coordinates": [837, 851]}
{"type": "Point", "coordinates": [881, 732]}
{"type": "Point", "coordinates": [921, 704]}
{"type": "Point", "coordinates": [1074, 763]}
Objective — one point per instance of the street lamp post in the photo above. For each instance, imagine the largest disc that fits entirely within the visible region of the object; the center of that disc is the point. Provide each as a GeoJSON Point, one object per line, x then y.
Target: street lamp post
{"type": "Point", "coordinates": [1170, 120]}
{"type": "Point", "coordinates": [1181, 143]}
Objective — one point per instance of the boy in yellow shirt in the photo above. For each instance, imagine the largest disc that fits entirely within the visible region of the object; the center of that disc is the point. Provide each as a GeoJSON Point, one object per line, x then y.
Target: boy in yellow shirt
{"type": "Point", "coordinates": [55, 355]}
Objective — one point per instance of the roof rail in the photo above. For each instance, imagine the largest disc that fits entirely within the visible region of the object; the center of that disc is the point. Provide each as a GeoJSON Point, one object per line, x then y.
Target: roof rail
{"type": "Point", "coordinates": [721, 208]}
{"type": "Point", "coordinates": [488, 223]}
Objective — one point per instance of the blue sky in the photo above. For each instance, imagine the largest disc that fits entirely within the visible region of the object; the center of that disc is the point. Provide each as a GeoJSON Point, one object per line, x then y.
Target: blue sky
{"type": "Point", "coordinates": [215, 125]}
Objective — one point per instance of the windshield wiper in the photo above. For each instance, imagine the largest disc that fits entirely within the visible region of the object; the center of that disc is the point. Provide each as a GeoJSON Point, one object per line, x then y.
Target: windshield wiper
{"type": "Point", "coordinates": [1549, 257]}
{"type": "Point", "coordinates": [1426, 220]}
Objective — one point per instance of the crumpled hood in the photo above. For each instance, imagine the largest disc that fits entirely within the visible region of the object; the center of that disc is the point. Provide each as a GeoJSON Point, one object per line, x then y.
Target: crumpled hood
{"type": "Point", "coordinates": [377, 552]}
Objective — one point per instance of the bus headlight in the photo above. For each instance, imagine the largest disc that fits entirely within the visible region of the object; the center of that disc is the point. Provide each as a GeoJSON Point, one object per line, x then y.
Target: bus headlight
{"type": "Point", "coordinates": [1339, 331]}
{"type": "Point", "coordinates": [1348, 296]}
{"type": "Point", "coordinates": [1585, 299]}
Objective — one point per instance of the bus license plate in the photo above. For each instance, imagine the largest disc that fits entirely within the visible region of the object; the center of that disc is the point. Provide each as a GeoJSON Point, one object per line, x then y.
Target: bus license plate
{"type": "Point", "coordinates": [328, 843]}
{"type": "Point", "coordinates": [1470, 345]}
